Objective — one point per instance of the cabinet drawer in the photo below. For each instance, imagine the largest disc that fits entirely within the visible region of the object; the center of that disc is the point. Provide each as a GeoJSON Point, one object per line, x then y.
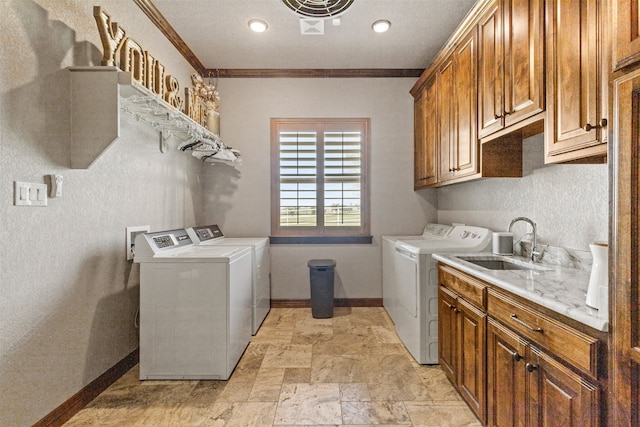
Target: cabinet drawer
{"type": "Point", "coordinates": [465, 286]}
{"type": "Point", "coordinates": [575, 347]}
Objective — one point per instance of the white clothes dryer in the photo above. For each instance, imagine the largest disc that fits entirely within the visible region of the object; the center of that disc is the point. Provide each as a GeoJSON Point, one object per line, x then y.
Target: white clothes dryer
{"type": "Point", "coordinates": [261, 266]}
{"type": "Point", "coordinates": [195, 306]}
{"type": "Point", "coordinates": [390, 280]}
{"type": "Point", "coordinates": [410, 281]}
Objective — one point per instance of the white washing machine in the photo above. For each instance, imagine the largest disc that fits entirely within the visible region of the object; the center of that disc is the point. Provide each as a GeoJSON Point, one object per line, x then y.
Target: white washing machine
{"type": "Point", "coordinates": [195, 306]}
{"type": "Point", "coordinates": [261, 266]}
{"type": "Point", "coordinates": [410, 281]}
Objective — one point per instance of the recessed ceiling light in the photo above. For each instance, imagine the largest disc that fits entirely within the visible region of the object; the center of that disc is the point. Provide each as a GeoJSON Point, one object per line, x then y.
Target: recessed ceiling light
{"type": "Point", "coordinates": [381, 26]}
{"type": "Point", "coordinates": [258, 25]}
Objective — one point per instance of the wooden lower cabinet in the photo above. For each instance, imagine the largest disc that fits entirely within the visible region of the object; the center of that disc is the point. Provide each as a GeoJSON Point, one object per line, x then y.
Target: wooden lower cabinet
{"type": "Point", "coordinates": [528, 387]}
{"type": "Point", "coordinates": [558, 396]}
{"type": "Point", "coordinates": [472, 335]}
{"type": "Point", "coordinates": [505, 376]}
{"type": "Point", "coordinates": [448, 333]}
{"type": "Point", "coordinates": [461, 347]}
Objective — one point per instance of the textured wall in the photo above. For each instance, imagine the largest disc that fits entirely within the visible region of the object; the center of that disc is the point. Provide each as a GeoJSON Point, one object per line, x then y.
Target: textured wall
{"type": "Point", "coordinates": [569, 203]}
{"type": "Point", "coordinates": [240, 201]}
{"type": "Point", "coordinates": [68, 297]}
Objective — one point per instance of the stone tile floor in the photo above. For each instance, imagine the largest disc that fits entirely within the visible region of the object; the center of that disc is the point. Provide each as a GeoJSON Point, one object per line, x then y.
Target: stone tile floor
{"type": "Point", "coordinates": [297, 371]}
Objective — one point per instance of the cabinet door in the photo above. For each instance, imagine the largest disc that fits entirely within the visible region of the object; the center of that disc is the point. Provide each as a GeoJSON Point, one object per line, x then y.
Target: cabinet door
{"type": "Point", "coordinates": [510, 64]}
{"type": "Point", "coordinates": [419, 142]}
{"type": "Point", "coordinates": [627, 24]}
{"type": "Point", "coordinates": [430, 108]}
{"type": "Point", "coordinates": [573, 126]}
{"type": "Point", "coordinates": [472, 335]}
{"type": "Point", "coordinates": [465, 161]}
{"type": "Point", "coordinates": [624, 300]}
{"type": "Point", "coordinates": [426, 137]}
{"type": "Point", "coordinates": [446, 120]}
{"type": "Point", "coordinates": [558, 396]}
{"type": "Point", "coordinates": [490, 71]}
{"type": "Point", "coordinates": [447, 333]}
{"type": "Point", "coordinates": [524, 58]}
{"type": "Point", "coordinates": [506, 352]}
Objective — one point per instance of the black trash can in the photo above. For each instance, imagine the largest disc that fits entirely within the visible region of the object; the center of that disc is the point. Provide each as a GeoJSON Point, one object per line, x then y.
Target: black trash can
{"type": "Point", "coordinates": [321, 273]}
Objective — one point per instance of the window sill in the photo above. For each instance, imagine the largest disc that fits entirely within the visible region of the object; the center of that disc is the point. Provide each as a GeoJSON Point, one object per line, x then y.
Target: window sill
{"type": "Point", "coordinates": [320, 240]}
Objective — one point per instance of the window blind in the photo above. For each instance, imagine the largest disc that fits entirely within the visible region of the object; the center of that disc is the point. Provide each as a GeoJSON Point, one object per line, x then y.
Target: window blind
{"type": "Point", "coordinates": [298, 178]}
{"type": "Point", "coordinates": [319, 183]}
{"type": "Point", "coordinates": [342, 178]}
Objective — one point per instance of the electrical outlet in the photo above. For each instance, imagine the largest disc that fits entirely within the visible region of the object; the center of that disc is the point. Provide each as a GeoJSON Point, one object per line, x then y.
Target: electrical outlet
{"type": "Point", "coordinates": [130, 238]}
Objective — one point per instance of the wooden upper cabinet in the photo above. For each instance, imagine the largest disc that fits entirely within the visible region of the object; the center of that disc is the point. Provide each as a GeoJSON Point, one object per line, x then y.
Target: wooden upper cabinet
{"type": "Point", "coordinates": [466, 90]}
{"type": "Point", "coordinates": [626, 18]}
{"type": "Point", "coordinates": [426, 137]}
{"type": "Point", "coordinates": [457, 111]}
{"type": "Point", "coordinates": [576, 120]}
{"type": "Point", "coordinates": [510, 64]}
{"type": "Point", "coordinates": [419, 173]}
{"type": "Point", "coordinates": [446, 119]}
{"type": "Point", "coordinates": [490, 71]}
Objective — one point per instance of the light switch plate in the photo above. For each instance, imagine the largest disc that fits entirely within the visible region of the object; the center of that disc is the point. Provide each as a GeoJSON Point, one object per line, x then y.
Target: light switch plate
{"type": "Point", "coordinates": [29, 194]}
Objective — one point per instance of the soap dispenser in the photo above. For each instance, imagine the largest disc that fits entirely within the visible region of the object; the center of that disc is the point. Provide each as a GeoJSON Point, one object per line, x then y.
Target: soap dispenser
{"type": "Point", "coordinates": [597, 293]}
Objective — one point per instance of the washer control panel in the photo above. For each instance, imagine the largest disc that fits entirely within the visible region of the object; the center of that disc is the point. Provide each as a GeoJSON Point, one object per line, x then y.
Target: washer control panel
{"type": "Point", "coordinates": [150, 244]}
{"type": "Point", "coordinates": [164, 241]}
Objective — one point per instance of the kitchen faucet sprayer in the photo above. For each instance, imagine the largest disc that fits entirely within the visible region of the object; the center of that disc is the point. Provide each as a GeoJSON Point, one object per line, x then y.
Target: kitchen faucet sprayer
{"type": "Point", "coordinates": [536, 255]}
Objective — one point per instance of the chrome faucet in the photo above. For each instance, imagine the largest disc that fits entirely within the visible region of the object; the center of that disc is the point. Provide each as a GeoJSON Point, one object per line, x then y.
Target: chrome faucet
{"type": "Point", "coordinates": [536, 256]}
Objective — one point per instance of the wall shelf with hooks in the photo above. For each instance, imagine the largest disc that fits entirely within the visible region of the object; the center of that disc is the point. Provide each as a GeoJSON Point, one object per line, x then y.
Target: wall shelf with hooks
{"type": "Point", "coordinates": [100, 94]}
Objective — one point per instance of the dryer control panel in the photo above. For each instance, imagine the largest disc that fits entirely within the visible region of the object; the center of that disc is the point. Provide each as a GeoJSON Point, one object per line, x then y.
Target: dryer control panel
{"type": "Point", "coordinates": [204, 233]}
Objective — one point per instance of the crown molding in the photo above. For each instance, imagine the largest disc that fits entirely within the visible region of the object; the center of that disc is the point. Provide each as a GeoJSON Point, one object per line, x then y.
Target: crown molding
{"type": "Point", "coordinates": [170, 33]}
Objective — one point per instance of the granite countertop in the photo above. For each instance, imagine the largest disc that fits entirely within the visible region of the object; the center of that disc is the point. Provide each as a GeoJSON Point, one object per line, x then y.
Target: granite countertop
{"type": "Point", "coordinates": [558, 288]}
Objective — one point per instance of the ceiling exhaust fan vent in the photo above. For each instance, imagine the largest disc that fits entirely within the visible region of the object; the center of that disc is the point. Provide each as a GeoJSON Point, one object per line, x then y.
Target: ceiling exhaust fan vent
{"type": "Point", "coordinates": [318, 8]}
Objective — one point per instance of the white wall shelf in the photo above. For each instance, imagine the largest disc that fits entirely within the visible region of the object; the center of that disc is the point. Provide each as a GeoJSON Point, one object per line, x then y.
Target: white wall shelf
{"type": "Point", "coordinates": [98, 97]}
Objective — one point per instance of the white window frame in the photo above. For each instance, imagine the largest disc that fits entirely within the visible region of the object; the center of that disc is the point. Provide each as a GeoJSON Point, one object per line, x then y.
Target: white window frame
{"type": "Point", "coordinates": [320, 233]}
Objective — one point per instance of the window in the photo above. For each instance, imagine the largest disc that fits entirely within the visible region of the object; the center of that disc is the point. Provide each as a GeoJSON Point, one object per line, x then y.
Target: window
{"type": "Point", "coordinates": [319, 185]}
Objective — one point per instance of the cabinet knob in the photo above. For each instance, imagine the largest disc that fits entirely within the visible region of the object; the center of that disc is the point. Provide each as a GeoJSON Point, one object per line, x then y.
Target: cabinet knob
{"type": "Point", "coordinates": [602, 123]}
{"type": "Point", "coordinates": [516, 357]}
{"type": "Point", "coordinates": [530, 367]}
{"type": "Point", "coordinates": [498, 116]}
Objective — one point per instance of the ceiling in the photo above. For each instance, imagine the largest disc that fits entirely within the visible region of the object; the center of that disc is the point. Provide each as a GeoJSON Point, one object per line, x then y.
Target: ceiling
{"type": "Point", "coordinates": [217, 34]}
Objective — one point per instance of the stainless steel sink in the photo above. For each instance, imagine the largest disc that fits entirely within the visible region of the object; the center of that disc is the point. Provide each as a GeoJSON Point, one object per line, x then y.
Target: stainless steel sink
{"type": "Point", "coordinates": [499, 263]}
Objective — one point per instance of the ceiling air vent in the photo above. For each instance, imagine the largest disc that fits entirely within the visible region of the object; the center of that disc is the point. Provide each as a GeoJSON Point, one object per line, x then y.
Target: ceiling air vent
{"type": "Point", "coordinates": [312, 26]}
{"type": "Point", "coordinates": [318, 8]}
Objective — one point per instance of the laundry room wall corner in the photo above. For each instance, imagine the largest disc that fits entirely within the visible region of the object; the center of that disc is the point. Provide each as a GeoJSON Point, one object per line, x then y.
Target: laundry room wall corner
{"type": "Point", "coordinates": [68, 296]}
